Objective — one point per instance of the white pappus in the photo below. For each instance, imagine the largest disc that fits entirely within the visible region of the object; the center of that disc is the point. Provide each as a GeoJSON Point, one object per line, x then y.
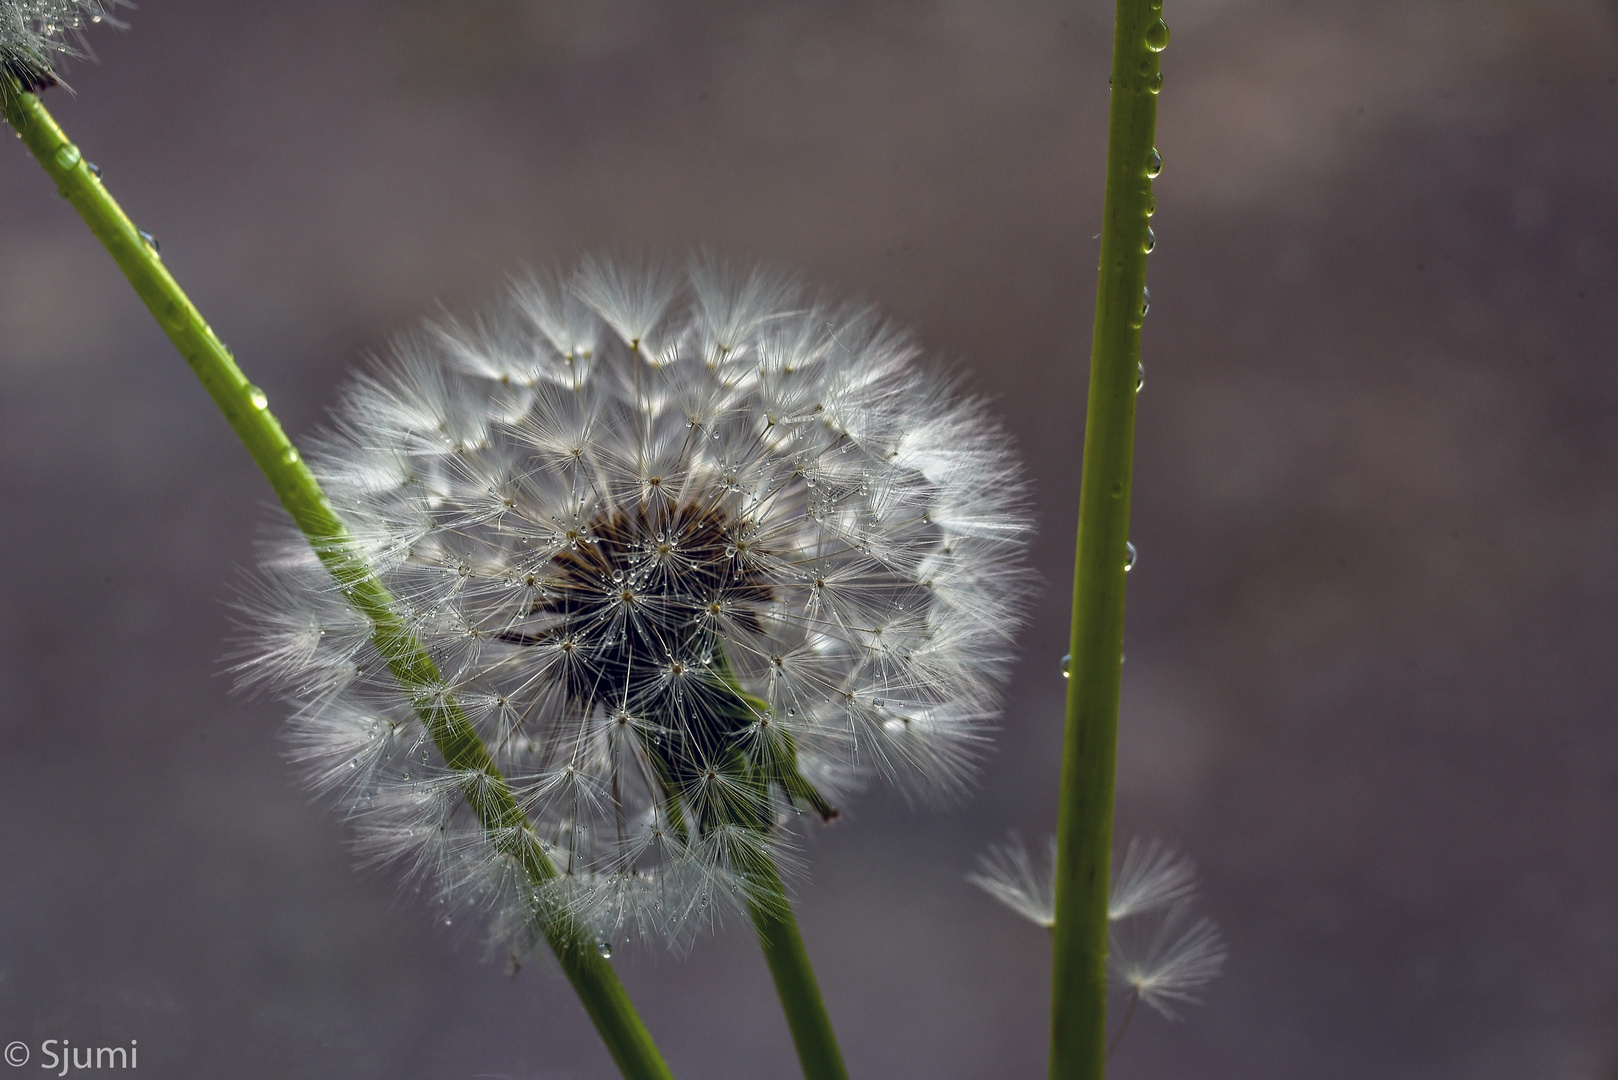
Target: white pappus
{"type": "Point", "coordinates": [1166, 957]}
{"type": "Point", "coordinates": [35, 33]}
{"type": "Point", "coordinates": [696, 553]}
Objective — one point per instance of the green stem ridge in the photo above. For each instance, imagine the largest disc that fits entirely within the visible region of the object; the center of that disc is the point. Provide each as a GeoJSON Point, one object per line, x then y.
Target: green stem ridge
{"type": "Point", "coordinates": [795, 983]}
{"type": "Point", "coordinates": [244, 408]}
{"type": "Point", "coordinates": [1084, 824]}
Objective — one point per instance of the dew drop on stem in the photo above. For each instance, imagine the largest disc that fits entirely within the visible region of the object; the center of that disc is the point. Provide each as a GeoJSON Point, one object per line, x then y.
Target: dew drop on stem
{"type": "Point", "coordinates": [1140, 376]}
{"type": "Point", "coordinates": [258, 398]}
{"type": "Point", "coordinates": [1157, 36]}
{"type": "Point", "coordinates": [1154, 163]}
{"type": "Point", "coordinates": [1067, 662]}
{"type": "Point", "coordinates": [151, 241]}
{"type": "Point", "coordinates": [1129, 556]}
{"type": "Point", "coordinates": [1150, 242]}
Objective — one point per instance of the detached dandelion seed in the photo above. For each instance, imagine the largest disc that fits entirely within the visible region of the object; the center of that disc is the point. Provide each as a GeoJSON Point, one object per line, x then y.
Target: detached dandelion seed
{"type": "Point", "coordinates": [697, 554]}
{"type": "Point", "coordinates": [1160, 960]}
{"type": "Point", "coordinates": [1166, 962]}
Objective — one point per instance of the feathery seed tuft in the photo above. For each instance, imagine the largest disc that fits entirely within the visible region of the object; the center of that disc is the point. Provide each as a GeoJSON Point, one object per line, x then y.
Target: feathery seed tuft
{"type": "Point", "coordinates": [695, 555]}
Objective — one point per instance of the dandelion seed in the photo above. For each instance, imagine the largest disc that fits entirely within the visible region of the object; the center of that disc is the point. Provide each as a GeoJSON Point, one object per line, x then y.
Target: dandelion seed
{"type": "Point", "coordinates": [696, 558]}
{"type": "Point", "coordinates": [1166, 962]}
{"type": "Point", "coordinates": [1161, 960]}
{"type": "Point", "coordinates": [1008, 874]}
{"type": "Point", "coordinates": [1151, 877]}
{"type": "Point", "coordinates": [34, 34]}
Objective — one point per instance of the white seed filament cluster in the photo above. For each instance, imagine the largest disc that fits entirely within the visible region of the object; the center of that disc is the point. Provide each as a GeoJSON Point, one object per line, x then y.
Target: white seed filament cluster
{"type": "Point", "coordinates": [693, 553]}
{"type": "Point", "coordinates": [34, 33]}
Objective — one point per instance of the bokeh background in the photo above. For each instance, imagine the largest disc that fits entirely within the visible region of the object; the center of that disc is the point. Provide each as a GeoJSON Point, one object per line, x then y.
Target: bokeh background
{"type": "Point", "coordinates": [1371, 644]}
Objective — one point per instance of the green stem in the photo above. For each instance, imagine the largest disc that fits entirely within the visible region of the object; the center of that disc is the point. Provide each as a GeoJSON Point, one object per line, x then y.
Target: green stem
{"type": "Point", "coordinates": [794, 978]}
{"type": "Point", "coordinates": [1084, 826]}
{"type": "Point", "coordinates": [245, 409]}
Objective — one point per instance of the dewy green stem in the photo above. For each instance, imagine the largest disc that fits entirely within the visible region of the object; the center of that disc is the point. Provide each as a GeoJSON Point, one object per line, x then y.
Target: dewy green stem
{"type": "Point", "coordinates": [244, 407]}
{"type": "Point", "coordinates": [1084, 825]}
{"type": "Point", "coordinates": [794, 979]}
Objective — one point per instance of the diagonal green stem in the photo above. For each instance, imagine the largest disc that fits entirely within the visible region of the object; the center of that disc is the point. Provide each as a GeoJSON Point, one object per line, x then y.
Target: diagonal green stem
{"type": "Point", "coordinates": [1084, 825]}
{"type": "Point", "coordinates": [794, 978]}
{"type": "Point", "coordinates": [244, 407]}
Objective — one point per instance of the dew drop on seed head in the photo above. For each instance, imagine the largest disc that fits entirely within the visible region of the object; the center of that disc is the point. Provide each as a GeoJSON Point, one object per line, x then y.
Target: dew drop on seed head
{"type": "Point", "coordinates": [1067, 662]}
{"type": "Point", "coordinates": [150, 241]}
{"type": "Point", "coordinates": [704, 901]}
{"type": "Point", "coordinates": [1157, 36]}
{"type": "Point", "coordinates": [1129, 556]}
{"type": "Point", "coordinates": [257, 398]}
{"type": "Point", "coordinates": [605, 949]}
{"type": "Point", "coordinates": [448, 921]}
{"type": "Point", "coordinates": [1151, 241]}
{"type": "Point", "coordinates": [1154, 163]}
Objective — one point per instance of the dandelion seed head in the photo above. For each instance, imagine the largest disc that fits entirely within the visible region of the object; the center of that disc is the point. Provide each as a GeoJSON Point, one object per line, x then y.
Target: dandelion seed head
{"type": "Point", "coordinates": [696, 553]}
{"type": "Point", "coordinates": [35, 34]}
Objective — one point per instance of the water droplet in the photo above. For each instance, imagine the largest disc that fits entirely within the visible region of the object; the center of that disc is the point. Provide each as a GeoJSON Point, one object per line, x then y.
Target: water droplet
{"type": "Point", "coordinates": [448, 921]}
{"type": "Point", "coordinates": [95, 170]}
{"type": "Point", "coordinates": [1154, 163]}
{"type": "Point", "coordinates": [1151, 205]}
{"type": "Point", "coordinates": [150, 241]}
{"type": "Point", "coordinates": [1067, 662]}
{"type": "Point", "coordinates": [1157, 36]}
{"type": "Point", "coordinates": [605, 949]}
{"type": "Point", "coordinates": [1129, 556]}
{"type": "Point", "coordinates": [1151, 241]}
{"type": "Point", "coordinates": [704, 901]}
{"type": "Point", "coordinates": [792, 712]}
{"type": "Point", "coordinates": [258, 398]}
{"type": "Point", "coordinates": [1155, 83]}
{"type": "Point", "coordinates": [68, 156]}
{"type": "Point", "coordinates": [1145, 301]}
{"type": "Point", "coordinates": [1140, 376]}
{"type": "Point", "coordinates": [290, 455]}
{"type": "Point", "coordinates": [877, 703]}
{"type": "Point", "coordinates": [1145, 67]}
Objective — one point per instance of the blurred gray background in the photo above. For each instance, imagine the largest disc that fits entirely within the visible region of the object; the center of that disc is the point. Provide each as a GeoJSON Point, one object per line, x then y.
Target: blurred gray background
{"type": "Point", "coordinates": [1371, 650]}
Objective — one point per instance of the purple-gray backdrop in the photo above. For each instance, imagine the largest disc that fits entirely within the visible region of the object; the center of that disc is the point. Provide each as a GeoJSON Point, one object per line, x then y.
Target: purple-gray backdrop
{"type": "Point", "coordinates": [1371, 673]}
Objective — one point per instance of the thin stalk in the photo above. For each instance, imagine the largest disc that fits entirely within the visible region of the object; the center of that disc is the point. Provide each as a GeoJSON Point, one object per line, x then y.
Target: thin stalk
{"type": "Point", "coordinates": [795, 983]}
{"type": "Point", "coordinates": [1084, 825]}
{"type": "Point", "coordinates": [246, 410]}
